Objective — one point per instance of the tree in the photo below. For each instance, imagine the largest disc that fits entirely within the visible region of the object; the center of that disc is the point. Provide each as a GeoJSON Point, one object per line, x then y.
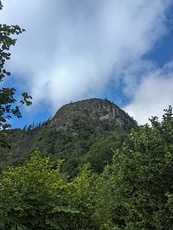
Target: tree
{"type": "Point", "coordinates": [100, 153]}
{"type": "Point", "coordinates": [136, 190]}
{"type": "Point", "coordinates": [8, 102]}
{"type": "Point", "coordinates": [38, 196]}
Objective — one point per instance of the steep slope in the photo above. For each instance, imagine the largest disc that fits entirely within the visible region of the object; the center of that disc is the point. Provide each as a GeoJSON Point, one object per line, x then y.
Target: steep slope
{"type": "Point", "coordinates": [101, 114]}
{"type": "Point", "coordinates": [80, 132]}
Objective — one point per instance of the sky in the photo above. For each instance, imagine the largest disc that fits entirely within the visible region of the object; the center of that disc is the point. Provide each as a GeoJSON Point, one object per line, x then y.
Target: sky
{"type": "Point", "coordinates": [80, 49]}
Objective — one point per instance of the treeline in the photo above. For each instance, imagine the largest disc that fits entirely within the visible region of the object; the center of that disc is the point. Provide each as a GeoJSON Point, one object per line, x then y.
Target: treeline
{"type": "Point", "coordinates": [93, 144]}
{"type": "Point", "coordinates": [133, 192]}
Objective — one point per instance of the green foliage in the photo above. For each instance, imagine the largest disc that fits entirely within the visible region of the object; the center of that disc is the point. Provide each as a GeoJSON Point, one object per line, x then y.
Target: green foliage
{"type": "Point", "coordinates": [7, 99]}
{"type": "Point", "coordinates": [101, 152]}
{"type": "Point", "coordinates": [38, 196]}
{"type": "Point", "coordinates": [136, 191]}
{"type": "Point", "coordinates": [75, 151]}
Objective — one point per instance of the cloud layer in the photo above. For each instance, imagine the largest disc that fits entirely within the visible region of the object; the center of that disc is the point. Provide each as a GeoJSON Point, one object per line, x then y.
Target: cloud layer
{"type": "Point", "coordinates": [153, 94]}
{"type": "Point", "coordinates": [72, 49]}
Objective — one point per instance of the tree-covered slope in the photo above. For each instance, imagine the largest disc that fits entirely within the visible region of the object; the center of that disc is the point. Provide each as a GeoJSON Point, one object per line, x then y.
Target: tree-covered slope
{"type": "Point", "coordinates": [80, 132]}
{"type": "Point", "coordinates": [134, 192]}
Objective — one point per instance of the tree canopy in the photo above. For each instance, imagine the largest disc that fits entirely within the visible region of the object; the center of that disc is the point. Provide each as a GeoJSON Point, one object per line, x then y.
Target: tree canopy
{"type": "Point", "coordinates": [133, 192]}
{"type": "Point", "coordinates": [39, 196]}
{"type": "Point", "coordinates": [139, 182]}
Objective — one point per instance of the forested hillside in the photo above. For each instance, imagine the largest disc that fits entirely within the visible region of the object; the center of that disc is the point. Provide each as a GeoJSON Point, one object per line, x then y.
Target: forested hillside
{"type": "Point", "coordinates": [134, 191]}
{"type": "Point", "coordinates": [90, 167]}
{"type": "Point", "coordinates": [80, 132]}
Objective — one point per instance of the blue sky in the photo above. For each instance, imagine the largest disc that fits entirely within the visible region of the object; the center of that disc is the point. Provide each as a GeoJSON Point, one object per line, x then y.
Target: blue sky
{"type": "Point", "coordinates": [74, 50]}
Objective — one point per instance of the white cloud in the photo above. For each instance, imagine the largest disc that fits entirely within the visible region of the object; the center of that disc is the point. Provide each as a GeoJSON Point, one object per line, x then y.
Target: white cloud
{"type": "Point", "coordinates": [152, 95]}
{"type": "Point", "coordinates": [72, 48]}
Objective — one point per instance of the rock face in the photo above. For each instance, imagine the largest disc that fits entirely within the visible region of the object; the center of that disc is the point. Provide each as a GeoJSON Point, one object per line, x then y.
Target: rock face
{"type": "Point", "coordinates": [98, 113]}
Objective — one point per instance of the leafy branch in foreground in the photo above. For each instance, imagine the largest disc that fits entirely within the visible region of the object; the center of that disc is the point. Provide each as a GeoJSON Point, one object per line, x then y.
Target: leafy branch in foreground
{"type": "Point", "coordinates": [8, 102]}
{"type": "Point", "coordinates": [38, 196]}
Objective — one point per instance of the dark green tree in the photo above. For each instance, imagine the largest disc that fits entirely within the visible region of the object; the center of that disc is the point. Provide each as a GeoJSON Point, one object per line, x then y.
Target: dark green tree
{"type": "Point", "coordinates": [136, 191]}
{"type": "Point", "coordinates": [8, 102]}
{"type": "Point", "coordinates": [100, 153]}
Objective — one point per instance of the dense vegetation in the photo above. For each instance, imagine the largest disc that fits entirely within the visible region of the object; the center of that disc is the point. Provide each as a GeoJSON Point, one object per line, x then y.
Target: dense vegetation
{"type": "Point", "coordinates": [76, 134]}
{"type": "Point", "coordinates": [133, 192]}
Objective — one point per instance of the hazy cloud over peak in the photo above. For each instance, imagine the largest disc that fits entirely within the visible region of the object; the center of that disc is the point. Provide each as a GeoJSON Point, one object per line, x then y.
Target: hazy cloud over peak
{"type": "Point", "coordinates": [72, 49]}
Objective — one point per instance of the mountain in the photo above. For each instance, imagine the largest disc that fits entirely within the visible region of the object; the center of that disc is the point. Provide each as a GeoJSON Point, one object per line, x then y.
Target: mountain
{"type": "Point", "coordinates": [80, 132]}
{"type": "Point", "coordinates": [97, 114]}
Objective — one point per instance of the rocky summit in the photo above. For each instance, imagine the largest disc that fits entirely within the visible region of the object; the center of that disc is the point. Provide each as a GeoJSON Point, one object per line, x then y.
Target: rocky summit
{"type": "Point", "coordinates": [102, 113]}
